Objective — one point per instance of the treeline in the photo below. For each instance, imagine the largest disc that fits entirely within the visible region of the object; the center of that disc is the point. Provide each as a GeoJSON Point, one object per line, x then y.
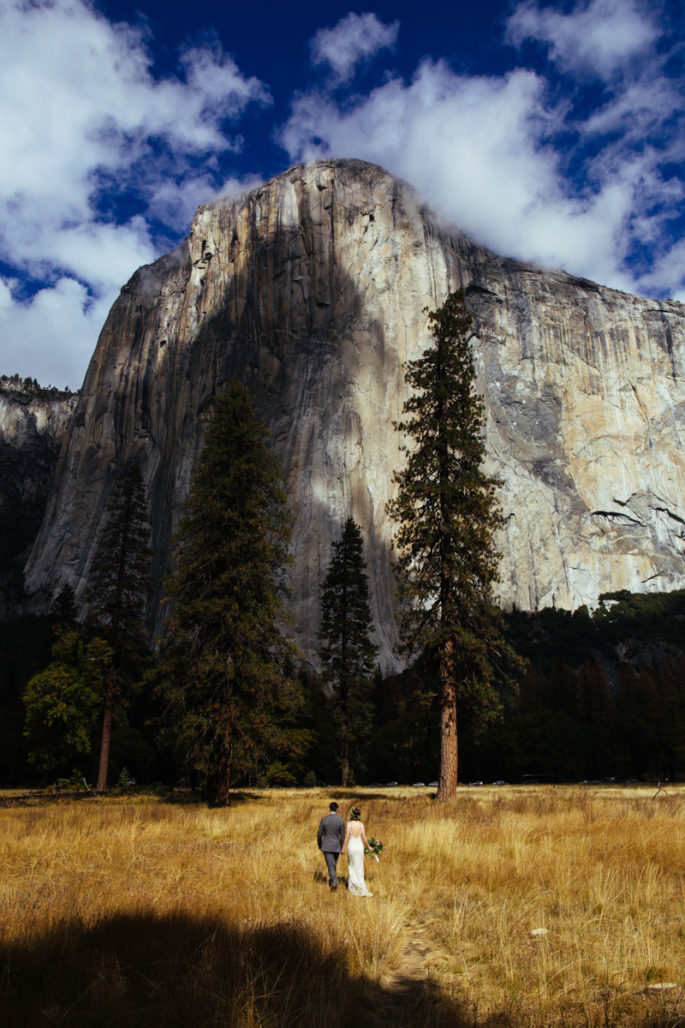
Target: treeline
{"type": "Point", "coordinates": [31, 387]}
{"type": "Point", "coordinates": [603, 697]}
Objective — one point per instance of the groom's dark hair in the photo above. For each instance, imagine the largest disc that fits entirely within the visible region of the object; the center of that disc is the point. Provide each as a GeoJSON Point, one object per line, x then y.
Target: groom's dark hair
{"type": "Point", "coordinates": [332, 806]}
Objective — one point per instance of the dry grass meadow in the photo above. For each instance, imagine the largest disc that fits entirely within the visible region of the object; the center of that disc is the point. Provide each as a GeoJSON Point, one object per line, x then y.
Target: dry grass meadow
{"type": "Point", "coordinates": [148, 910]}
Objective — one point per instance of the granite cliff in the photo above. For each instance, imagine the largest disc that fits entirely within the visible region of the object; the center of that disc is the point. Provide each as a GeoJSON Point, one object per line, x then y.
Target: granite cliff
{"type": "Point", "coordinates": [33, 423]}
{"type": "Point", "coordinates": [311, 289]}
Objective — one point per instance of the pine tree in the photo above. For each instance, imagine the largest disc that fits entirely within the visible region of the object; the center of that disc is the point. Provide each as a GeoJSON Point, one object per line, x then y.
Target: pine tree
{"type": "Point", "coordinates": [347, 653]}
{"type": "Point", "coordinates": [63, 609]}
{"type": "Point", "coordinates": [119, 587]}
{"type": "Point", "coordinates": [448, 514]}
{"type": "Point", "coordinates": [231, 707]}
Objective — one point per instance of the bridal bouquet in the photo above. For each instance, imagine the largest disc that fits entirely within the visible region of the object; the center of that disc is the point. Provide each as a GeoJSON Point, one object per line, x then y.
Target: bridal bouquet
{"type": "Point", "coordinates": [375, 847]}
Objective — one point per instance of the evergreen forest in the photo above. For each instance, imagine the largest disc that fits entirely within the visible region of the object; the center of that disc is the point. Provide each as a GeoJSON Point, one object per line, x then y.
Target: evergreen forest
{"type": "Point", "coordinates": [603, 697]}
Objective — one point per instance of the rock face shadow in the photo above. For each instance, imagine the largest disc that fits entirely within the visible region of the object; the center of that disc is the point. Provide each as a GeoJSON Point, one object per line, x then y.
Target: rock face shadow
{"type": "Point", "coordinates": [276, 311]}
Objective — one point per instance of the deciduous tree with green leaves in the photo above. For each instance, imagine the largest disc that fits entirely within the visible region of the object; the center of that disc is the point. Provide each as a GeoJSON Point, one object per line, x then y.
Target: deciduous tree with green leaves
{"type": "Point", "coordinates": [119, 588]}
{"type": "Point", "coordinates": [232, 707]}
{"type": "Point", "coordinates": [348, 654]}
{"type": "Point", "coordinates": [64, 700]}
{"type": "Point", "coordinates": [448, 514]}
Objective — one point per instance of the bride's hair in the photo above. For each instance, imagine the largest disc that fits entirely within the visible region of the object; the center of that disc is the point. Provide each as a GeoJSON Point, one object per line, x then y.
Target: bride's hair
{"type": "Point", "coordinates": [355, 814]}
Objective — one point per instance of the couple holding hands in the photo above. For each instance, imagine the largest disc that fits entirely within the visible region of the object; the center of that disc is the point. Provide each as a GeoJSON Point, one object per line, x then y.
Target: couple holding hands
{"type": "Point", "coordinates": [334, 839]}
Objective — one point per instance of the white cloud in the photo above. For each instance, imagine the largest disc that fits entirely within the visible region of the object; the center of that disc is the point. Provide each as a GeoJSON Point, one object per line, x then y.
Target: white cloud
{"type": "Point", "coordinates": [599, 36]}
{"type": "Point", "coordinates": [661, 270]}
{"type": "Point", "coordinates": [355, 38]}
{"type": "Point", "coordinates": [175, 203]}
{"type": "Point", "coordinates": [80, 111]}
{"type": "Point", "coordinates": [51, 336]}
{"type": "Point", "coordinates": [492, 155]}
{"type": "Point", "coordinates": [641, 109]}
{"type": "Point", "coordinates": [471, 146]}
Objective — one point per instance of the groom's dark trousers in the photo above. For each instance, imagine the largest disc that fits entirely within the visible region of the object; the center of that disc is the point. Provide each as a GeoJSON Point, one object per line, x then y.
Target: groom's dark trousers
{"type": "Point", "coordinates": [330, 837]}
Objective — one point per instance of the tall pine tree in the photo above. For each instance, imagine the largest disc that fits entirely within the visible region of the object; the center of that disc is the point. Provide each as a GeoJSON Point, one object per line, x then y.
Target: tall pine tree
{"type": "Point", "coordinates": [118, 591]}
{"type": "Point", "coordinates": [348, 654]}
{"type": "Point", "coordinates": [448, 514]}
{"type": "Point", "coordinates": [232, 709]}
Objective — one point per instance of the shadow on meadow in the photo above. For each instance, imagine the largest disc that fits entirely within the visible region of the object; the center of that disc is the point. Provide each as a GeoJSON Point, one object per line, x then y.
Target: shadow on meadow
{"type": "Point", "coordinates": [163, 795]}
{"type": "Point", "coordinates": [363, 795]}
{"type": "Point", "coordinates": [175, 970]}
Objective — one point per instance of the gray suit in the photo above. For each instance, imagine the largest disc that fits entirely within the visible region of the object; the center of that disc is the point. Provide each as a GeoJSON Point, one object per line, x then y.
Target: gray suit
{"type": "Point", "coordinates": [330, 837]}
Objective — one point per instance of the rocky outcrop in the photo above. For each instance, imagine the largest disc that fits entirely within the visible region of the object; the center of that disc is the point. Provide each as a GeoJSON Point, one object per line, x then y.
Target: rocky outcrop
{"type": "Point", "coordinates": [33, 423]}
{"type": "Point", "coordinates": [311, 289]}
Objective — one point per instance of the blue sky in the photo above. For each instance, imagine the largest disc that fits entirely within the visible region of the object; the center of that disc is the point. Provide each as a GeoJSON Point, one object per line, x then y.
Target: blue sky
{"type": "Point", "coordinates": [551, 132]}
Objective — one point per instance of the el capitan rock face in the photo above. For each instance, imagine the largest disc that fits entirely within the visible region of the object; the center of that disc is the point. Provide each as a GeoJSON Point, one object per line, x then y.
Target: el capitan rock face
{"type": "Point", "coordinates": [311, 289]}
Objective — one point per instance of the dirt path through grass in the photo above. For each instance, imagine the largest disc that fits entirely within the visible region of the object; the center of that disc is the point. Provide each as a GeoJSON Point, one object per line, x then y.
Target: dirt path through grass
{"type": "Point", "coordinates": [411, 995]}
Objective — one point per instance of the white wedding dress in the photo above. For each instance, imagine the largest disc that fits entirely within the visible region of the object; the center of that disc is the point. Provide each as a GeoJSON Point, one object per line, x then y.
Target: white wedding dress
{"type": "Point", "coordinates": [355, 861]}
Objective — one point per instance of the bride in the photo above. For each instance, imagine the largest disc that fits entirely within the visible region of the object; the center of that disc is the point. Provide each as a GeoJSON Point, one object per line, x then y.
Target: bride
{"type": "Point", "coordinates": [355, 841]}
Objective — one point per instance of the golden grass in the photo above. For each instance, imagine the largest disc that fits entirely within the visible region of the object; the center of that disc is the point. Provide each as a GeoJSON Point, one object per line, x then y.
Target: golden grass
{"type": "Point", "coordinates": [152, 911]}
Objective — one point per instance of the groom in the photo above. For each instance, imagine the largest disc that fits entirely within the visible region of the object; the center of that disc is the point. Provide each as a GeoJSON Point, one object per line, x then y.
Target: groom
{"type": "Point", "coordinates": [330, 837]}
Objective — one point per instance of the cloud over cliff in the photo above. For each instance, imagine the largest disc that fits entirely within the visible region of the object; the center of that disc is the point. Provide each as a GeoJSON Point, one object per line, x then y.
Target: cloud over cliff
{"type": "Point", "coordinates": [561, 142]}
{"type": "Point", "coordinates": [573, 164]}
{"type": "Point", "coordinates": [87, 124]}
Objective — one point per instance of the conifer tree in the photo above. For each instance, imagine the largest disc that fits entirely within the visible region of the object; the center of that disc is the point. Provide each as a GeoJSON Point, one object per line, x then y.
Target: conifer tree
{"type": "Point", "coordinates": [119, 587]}
{"type": "Point", "coordinates": [232, 709]}
{"type": "Point", "coordinates": [63, 609]}
{"type": "Point", "coordinates": [448, 514]}
{"type": "Point", "coordinates": [347, 653]}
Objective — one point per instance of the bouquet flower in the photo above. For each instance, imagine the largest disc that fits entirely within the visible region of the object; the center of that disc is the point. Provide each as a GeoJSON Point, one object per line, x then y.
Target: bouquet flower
{"type": "Point", "coordinates": [375, 848]}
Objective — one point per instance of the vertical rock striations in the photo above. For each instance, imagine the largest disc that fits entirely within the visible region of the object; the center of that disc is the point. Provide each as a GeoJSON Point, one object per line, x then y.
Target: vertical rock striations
{"type": "Point", "coordinates": [311, 289]}
{"type": "Point", "coordinates": [33, 423]}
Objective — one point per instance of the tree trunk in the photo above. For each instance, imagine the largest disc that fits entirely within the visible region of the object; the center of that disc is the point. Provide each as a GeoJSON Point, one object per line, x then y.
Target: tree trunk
{"type": "Point", "coordinates": [345, 762]}
{"type": "Point", "coordinates": [218, 792]}
{"type": "Point", "coordinates": [449, 749]}
{"type": "Point", "coordinates": [106, 735]}
{"type": "Point", "coordinates": [447, 787]}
